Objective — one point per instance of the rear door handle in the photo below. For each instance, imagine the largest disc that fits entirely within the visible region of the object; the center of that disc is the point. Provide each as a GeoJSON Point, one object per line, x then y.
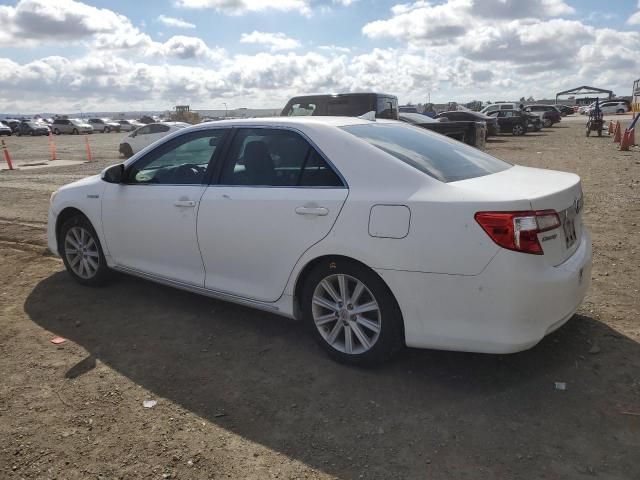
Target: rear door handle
{"type": "Point", "coordinates": [184, 203]}
{"type": "Point", "coordinates": [318, 211]}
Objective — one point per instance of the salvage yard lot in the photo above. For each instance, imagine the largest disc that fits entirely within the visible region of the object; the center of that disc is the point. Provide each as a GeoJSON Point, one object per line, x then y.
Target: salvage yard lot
{"type": "Point", "coordinates": [244, 394]}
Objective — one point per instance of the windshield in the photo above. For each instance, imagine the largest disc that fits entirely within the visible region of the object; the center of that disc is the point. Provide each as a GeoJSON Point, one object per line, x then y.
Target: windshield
{"type": "Point", "coordinates": [436, 155]}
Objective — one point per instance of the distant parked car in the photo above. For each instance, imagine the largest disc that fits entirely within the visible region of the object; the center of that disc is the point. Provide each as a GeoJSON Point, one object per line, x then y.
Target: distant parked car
{"type": "Point", "coordinates": [129, 125]}
{"type": "Point", "coordinates": [104, 125]}
{"type": "Point", "coordinates": [32, 128]}
{"type": "Point", "coordinates": [73, 126]}
{"type": "Point", "coordinates": [515, 122]}
{"type": "Point", "coordinates": [147, 119]}
{"type": "Point", "coordinates": [470, 132]}
{"type": "Point", "coordinates": [5, 129]}
{"type": "Point", "coordinates": [549, 114]}
{"type": "Point", "coordinates": [408, 109]}
{"type": "Point", "coordinates": [343, 105]}
{"type": "Point", "coordinates": [494, 107]}
{"type": "Point", "coordinates": [469, 116]}
{"type": "Point", "coordinates": [146, 135]}
{"type": "Point", "coordinates": [611, 107]}
{"type": "Point", "coordinates": [566, 110]}
{"type": "Point", "coordinates": [12, 123]}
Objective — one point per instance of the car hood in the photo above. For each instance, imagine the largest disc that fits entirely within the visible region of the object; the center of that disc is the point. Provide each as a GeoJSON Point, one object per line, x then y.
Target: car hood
{"type": "Point", "coordinates": [83, 182]}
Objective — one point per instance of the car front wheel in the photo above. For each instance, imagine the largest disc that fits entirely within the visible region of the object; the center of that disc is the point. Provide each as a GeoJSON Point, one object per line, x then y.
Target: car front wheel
{"type": "Point", "coordinates": [81, 252]}
{"type": "Point", "coordinates": [620, 111]}
{"type": "Point", "coordinates": [352, 313]}
{"type": "Point", "coordinates": [518, 129]}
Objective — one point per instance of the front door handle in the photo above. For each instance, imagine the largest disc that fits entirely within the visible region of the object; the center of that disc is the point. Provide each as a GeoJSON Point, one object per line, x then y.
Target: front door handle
{"type": "Point", "coordinates": [184, 203]}
{"type": "Point", "coordinates": [318, 211]}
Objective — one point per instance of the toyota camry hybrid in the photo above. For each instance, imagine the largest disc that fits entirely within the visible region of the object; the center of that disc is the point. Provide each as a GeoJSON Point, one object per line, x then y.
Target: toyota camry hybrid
{"type": "Point", "coordinates": [375, 233]}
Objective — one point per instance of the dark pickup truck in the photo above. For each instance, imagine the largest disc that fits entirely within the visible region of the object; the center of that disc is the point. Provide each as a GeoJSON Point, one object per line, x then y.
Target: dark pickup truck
{"type": "Point", "coordinates": [470, 132]}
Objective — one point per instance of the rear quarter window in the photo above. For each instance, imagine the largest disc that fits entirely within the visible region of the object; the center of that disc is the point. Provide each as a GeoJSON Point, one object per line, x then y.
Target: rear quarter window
{"type": "Point", "coordinates": [435, 155]}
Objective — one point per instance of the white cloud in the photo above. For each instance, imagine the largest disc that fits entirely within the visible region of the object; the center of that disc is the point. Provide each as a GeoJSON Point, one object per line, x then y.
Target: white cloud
{"type": "Point", "coordinates": [455, 49]}
{"type": "Point", "coordinates": [635, 18]}
{"type": "Point", "coordinates": [63, 20]}
{"type": "Point", "coordinates": [273, 41]}
{"type": "Point", "coordinates": [174, 22]}
{"type": "Point", "coordinates": [240, 7]}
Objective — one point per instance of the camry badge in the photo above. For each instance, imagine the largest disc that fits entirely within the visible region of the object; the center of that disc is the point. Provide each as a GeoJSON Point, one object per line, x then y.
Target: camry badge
{"type": "Point", "coordinates": [577, 205]}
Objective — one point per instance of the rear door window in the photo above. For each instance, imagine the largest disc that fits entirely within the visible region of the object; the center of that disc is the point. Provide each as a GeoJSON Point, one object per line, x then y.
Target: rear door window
{"type": "Point", "coordinates": [430, 153]}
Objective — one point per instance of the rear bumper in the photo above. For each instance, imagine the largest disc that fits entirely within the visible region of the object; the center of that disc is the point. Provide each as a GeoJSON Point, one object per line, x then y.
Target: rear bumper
{"type": "Point", "coordinates": [509, 307]}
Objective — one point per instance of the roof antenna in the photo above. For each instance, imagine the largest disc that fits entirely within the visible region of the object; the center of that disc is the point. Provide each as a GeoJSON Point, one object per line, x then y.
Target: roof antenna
{"type": "Point", "coordinates": [371, 116]}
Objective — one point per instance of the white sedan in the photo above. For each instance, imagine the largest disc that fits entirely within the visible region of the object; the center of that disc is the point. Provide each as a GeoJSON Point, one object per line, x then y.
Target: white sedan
{"type": "Point", "coordinates": [146, 135]}
{"type": "Point", "coordinates": [377, 234]}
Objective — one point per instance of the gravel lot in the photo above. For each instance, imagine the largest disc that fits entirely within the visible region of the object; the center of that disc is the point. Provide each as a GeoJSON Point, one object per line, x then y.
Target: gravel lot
{"type": "Point", "coordinates": [244, 394]}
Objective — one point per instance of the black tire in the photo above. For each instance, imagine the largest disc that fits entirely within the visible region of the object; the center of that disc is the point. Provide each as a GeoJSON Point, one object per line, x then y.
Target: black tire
{"type": "Point", "coordinates": [106, 130]}
{"type": "Point", "coordinates": [33, 133]}
{"type": "Point", "coordinates": [103, 272]}
{"type": "Point", "coordinates": [600, 132]}
{"type": "Point", "coordinates": [518, 129]}
{"type": "Point", "coordinates": [620, 110]}
{"type": "Point", "coordinates": [127, 151]}
{"type": "Point", "coordinates": [390, 339]}
{"type": "Point", "coordinates": [75, 132]}
{"type": "Point", "coordinates": [56, 131]}
{"type": "Point", "coordinates": [546, 123]}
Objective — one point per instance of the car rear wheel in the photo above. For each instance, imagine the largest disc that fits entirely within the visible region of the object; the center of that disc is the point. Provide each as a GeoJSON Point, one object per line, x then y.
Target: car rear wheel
{"type": "Point", "coordinates": [56, 131]}
{"type": "Point", "coordinates": [518, 129]}
{"type": "Point", "coordinates": [81, 252]}
{"type": "Point", "coordinates": [75, 131]}
{"type": "Point", "coordinates": [620, 110]}
{"type": "Point", "coordinates": [547, 123]}
{"type": "Point", "coordinates": [106, 130]}
{"type": "Point", "coordinates": [351, 313]}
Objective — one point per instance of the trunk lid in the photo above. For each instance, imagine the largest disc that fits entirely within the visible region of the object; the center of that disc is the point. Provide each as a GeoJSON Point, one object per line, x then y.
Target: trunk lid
{"type": "Point", "coordinates": [544, 190]}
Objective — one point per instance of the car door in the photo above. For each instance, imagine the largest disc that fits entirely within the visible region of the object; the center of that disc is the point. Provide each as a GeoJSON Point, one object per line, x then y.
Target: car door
{"type": "Point", "coordinates": [140, 138]}
{"type": "Point", "coordinates": [275, 198]}
{"type": "Point", "coordinates": [149, 219]}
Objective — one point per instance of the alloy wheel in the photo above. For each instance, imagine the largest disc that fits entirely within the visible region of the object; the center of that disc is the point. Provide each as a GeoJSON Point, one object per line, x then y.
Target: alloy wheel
{"type": "Point", "coordinates": [346, 314]}
{"type": "Point", "coordinates": [81, 251]}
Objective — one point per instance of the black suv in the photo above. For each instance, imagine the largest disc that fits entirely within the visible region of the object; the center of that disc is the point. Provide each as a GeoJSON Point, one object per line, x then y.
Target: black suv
{"type": "Point", "coordinates": [511, 121]}
{"type": "Point", "coordinates": [343, 105]}
{"type": "Point", "coordinates": [31, 128]}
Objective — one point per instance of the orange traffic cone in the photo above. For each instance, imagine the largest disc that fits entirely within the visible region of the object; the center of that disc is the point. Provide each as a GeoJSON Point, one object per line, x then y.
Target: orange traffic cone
{"type": "Point", "coordinates": [611, 128]}
{"type": "Point", "coordinates": [625, 143]}
{"type": "Point", "coordinates": [7, 156]}
{"type": "Point", "coordinates": [617, 134]}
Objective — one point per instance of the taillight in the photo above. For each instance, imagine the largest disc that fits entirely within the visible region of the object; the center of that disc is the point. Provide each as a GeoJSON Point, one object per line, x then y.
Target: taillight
{"type": "Point", "coordinates": [518, 230]}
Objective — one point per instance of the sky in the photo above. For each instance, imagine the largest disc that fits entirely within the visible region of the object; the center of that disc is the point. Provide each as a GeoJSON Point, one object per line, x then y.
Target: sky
{"type": "Point", "coordinates": [116, 55]}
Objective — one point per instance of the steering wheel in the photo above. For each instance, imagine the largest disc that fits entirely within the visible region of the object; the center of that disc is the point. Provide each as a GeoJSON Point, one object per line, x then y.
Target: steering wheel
{"type": "Point", "coordinates": [187, 173]}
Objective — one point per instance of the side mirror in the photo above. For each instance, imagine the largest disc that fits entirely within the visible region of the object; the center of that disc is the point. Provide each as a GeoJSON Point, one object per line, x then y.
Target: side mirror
{"type": "Point", "coordinates": [113, 174]}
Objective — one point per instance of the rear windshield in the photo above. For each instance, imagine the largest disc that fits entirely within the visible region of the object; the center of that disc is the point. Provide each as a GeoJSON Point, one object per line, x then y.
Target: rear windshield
{"type": "Point", "coordinates": [436, 155]}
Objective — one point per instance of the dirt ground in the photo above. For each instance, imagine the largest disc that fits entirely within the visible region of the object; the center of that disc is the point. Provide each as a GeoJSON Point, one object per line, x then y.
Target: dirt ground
{"type": "Point", "coordinates": [248, 395]}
